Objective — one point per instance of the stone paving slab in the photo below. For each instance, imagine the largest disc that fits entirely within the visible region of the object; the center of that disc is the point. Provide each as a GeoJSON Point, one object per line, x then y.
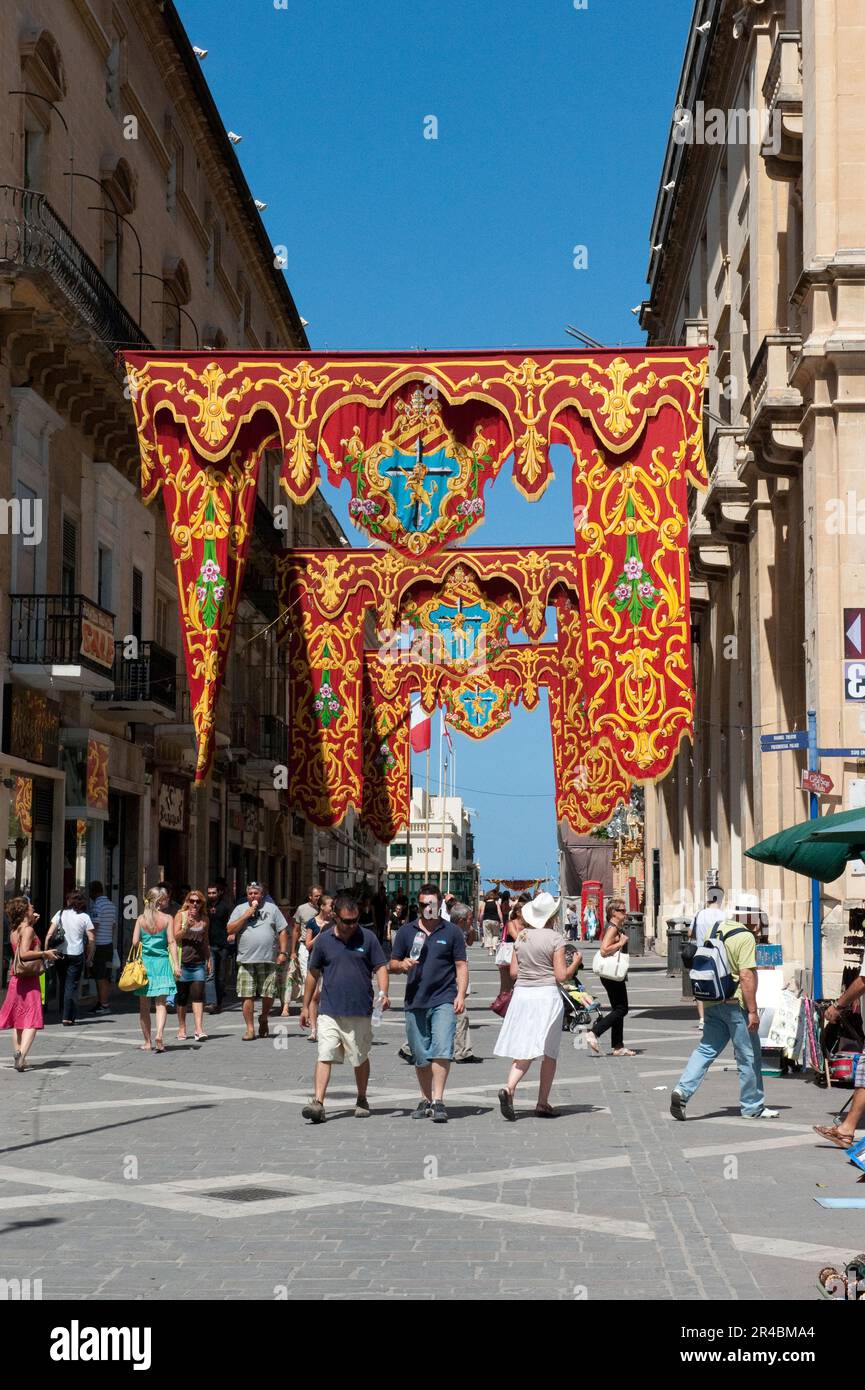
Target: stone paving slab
{"type": "Point", "coordinates": [110, 1159]}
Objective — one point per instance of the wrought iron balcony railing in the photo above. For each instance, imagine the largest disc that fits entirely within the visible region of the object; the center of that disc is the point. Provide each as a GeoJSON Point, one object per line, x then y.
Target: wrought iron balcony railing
{"type": "Point", "coordinates": [61, 630]}
{"type": "Point", "coordinates": [150, 677]}
{"type": "Point", "coordinates": [32, 236]}
{"type": "Point", "coordinates": [274, 739]}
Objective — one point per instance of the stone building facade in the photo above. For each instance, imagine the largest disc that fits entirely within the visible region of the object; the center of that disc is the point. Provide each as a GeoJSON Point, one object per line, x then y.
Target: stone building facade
{"type": "Point", "coordinates": [758, 249]}
{"type": "Point", "coordinates": [125, 220]}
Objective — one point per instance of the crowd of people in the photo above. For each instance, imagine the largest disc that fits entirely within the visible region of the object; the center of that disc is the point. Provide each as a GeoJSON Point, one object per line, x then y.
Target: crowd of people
{"type": "Point", "coordinates": [335, 957]}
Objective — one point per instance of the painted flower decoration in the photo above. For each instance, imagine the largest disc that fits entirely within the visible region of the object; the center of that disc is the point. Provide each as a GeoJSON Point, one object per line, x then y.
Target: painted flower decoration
{"type": "Point", "coordinates": [363, 507]}
{"type": "Point", "coordinates": [210, 584]}
{"type": "Point", "coordinates": [634, 590]}
{"type": "Point", "coordinates": [471, 506]}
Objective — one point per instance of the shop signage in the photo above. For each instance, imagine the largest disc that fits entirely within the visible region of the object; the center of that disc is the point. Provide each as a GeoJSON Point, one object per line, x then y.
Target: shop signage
{"type": "Point", "coordinates": [97, 636]}
{"type": "Point", "coordinates": [34, 727]}
{"type": "Point", "coordinates": [817, 782]}
{"type": "Point", "coordinates": [97, 775]}
{"type": "Point", "coordinates": [172, 805]}
{"type": "Point", "coordinates": [250, 820]}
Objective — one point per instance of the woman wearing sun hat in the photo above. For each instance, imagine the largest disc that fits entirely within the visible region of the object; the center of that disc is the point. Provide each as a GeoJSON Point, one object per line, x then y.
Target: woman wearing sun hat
{"type": "Point", "coordinates": [533, 1022]}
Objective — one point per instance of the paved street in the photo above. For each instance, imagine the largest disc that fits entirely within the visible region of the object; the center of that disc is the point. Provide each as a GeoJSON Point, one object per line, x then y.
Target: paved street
{"type": "Point", "coordinates": [129, 1175]}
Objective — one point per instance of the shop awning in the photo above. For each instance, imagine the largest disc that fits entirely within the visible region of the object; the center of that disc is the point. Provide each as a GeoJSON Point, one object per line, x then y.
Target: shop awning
{"type": "Point", "coordinates": [818, 849]}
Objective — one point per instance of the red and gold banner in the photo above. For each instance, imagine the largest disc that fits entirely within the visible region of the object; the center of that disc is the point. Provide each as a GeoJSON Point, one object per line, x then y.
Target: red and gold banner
{"type": "Point", "coordinates": [419, 439]}
{"type": "Point", "coordinates": [209, 512]}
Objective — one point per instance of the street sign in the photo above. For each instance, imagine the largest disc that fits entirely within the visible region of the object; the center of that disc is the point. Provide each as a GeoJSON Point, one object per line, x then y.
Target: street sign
{"type": "Point", "coordinates": [854, 634]}
{"type": "Point", "coordinates": [817, 782]}
{"type": "Point", "coordinates": [776, 743]}
{"type": "Point", "coordinates": [841, 752]}
{"type": "Point", "coordinates": [854, 680]}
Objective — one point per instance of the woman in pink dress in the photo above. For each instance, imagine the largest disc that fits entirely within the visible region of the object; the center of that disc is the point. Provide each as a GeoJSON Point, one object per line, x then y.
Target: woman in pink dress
{"type": "Point", "coordinates": [22, 1007]}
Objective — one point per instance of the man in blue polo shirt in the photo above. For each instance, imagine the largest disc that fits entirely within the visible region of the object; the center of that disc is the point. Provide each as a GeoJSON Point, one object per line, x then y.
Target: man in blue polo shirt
{"type": "Point", "coordinates": [345, 957]}
{"type": "Point", "coordinates": [432, 952]}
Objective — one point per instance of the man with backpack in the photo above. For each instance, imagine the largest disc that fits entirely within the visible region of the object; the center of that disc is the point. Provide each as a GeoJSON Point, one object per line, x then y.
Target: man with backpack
{"type": "Point", "coordinates": [724, 977]}
{"type": "Point", "coordinates": [704, 924]}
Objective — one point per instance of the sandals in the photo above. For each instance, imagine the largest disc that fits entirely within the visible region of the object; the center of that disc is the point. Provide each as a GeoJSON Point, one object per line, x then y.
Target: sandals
{"type": "Point", "coordinates": [593, 1045]}
{"type": "Point", "coordinates": [263, 1030]}
{"type": "Point", "coordinates": [834, 1135]}
{"type": "Point", "coordinates": [506, 1104]}
{"type": "Point", "coordinates": [623, 1052]}
{"type": "Point", "coordinates": [248, 1037]}
{"type": "Point", "coordinates": [547, 1112]}
{"type": "Point", "coordinates": [201, 1037]}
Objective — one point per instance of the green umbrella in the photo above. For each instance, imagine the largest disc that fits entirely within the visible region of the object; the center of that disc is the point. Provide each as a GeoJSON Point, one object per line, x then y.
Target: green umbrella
{"type": "Point", "coordinates": [818, 849]}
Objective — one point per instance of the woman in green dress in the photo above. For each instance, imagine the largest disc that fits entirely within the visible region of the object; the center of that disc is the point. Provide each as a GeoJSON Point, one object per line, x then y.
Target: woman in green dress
{"type": "Point", "coordinates": [154, 930]}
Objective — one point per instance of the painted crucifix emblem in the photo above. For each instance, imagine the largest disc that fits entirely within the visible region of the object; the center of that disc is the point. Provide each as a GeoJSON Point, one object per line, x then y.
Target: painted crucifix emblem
{"type": "Point", "coordinates": [418, 485]}
{"type": "Point", "coordinates": [460, 627]}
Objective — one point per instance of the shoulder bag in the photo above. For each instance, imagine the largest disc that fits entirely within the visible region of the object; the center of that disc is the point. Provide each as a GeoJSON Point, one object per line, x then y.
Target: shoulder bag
{"type": "Point", "coordinates": [134, 973]}
{"type": "Point", "coordinates": [23, 969]}
{"type": "Point", "coordinates": [614, 967]}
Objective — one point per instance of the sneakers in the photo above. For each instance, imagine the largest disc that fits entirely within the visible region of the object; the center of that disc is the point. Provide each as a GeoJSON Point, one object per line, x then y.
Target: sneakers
{"type": "Point", "coordinates": [406, 1055]}
{"type": "Point", "coordinates": [677, 1105]}
{"type": "Point", "coordinates": [765, 1114]}
{"type": "Point", "coordinates": [314, 1111]}
{"type": "Point", "coordinates": [361, 1108]}
{"type": "Point", "coordinates": [422, 1111]}
{"type": "Point", "coordinates": [101, 1009]}
{"type": "Point", "coordinates": [439, 1115]}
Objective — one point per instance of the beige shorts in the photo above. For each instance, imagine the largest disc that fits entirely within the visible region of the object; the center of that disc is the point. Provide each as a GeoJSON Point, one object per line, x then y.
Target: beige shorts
{"type": "Point", "coordinates": [344, 1039]}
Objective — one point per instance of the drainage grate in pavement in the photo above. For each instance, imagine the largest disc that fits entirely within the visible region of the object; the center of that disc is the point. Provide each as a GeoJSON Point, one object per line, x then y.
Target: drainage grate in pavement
{"type": "Point", "coordinates": [248, 1194]}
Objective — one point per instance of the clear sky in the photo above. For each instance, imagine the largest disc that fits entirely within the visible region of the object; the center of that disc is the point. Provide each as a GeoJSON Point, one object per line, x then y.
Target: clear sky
{"type": "Point", "coordinates": [552, 122]}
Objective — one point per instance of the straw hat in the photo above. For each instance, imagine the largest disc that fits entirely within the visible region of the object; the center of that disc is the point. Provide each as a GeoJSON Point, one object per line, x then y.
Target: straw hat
{"type": "Point", "coordinates": [539, 911]}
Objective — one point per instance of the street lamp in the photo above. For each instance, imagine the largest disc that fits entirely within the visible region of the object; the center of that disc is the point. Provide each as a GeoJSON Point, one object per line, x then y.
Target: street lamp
{"type": "Point", "coordinates": [148, 275]}
{"type": "Point", "coordinates": [24, 92]}
{"type": "Point", "coordinates": [118, 218]}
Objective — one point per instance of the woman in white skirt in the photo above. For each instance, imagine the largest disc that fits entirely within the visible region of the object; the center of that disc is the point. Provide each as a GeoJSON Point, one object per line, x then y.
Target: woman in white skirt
{"type": "Point", "coordinates": [533, 1022]}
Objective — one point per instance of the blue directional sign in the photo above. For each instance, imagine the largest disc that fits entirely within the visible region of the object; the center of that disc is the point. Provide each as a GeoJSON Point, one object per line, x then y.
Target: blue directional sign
{"type": "Point", "coordinates": [776, 743]}
{"type": "Point", "coordinates": [841, 752]}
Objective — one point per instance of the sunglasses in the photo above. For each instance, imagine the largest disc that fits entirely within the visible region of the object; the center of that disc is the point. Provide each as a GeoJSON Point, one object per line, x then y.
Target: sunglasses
{"type": "Point", "coordinates": [349, 921]}
{"type": "Point", "coordinates": [195, 902]}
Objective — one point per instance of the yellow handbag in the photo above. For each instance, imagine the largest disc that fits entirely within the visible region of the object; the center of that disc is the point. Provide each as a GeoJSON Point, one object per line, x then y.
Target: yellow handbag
{"type": "Point", "coordinates": [133, 974]}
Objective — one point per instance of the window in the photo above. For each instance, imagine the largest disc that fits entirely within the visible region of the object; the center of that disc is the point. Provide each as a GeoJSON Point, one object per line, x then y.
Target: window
{"type": "Point", "coordinates": [111, 250]}
{"type": "Point", "coordinates": [161, 623]}
{"type": "Point", "coordinates": [103, 577]}
{"type": "Point", "coordinates": [137, 602]}
{"type": "Point", "coordinates": [398, 851]}
{"type": "Point", "coordinates": [69, 561]}
{"type": "Point", "coordinates": [34, 144]}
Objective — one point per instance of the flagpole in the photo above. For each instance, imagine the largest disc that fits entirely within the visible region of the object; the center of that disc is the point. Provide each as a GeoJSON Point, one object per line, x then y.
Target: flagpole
{"type": "Point", "coordinates": [426, 819]}
{"type": "Point", "coordinates": [443, 790]}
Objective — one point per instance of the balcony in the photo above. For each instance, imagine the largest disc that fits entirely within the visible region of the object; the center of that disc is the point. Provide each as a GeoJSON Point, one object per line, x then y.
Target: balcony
{"type": "Point", "coordinates": [782, 92]}
{"type": "Point", "coordinates": [61, 642]}
{"type": "Point", "coordinates": [774, 433]}
{"type": "Point", "coordinates": [258, 741]}
{"type": "Point", "coordinates": [181, 731]}
{"type": "Point", "coordinates": [33, 237]}
{"type": "Point", "coordinates": [726, 504]}
{"type": "Point", "coordinates": [145, 687]}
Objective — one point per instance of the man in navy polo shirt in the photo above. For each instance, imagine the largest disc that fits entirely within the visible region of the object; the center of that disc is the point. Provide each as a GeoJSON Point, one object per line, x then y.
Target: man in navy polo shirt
{"type": "Point", "coordinates": [432, 952]}
{"type": "Point", "coordinates": [345, 958]}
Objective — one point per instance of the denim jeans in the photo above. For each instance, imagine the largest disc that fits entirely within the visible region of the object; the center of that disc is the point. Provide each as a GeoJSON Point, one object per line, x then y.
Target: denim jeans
{"type": "Point", "coordinates": [69, 971]}
{"type": "Point", "coordinates": [723, 1023]}
{"type": "Point", "coordinates": [214, 986]}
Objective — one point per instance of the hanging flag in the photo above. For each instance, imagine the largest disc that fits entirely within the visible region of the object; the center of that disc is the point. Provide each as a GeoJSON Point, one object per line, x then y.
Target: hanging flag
{"type": "Point", "coordinates": [420, 727]}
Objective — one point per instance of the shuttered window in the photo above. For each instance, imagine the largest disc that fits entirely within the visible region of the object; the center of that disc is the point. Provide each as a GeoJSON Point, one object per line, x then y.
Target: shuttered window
{"type": "Point", "coordinates": [69, 564]}
{"type": "Point", "coordinates": [137, 602]}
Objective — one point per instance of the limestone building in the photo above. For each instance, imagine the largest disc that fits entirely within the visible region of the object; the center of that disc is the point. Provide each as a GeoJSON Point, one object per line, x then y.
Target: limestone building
{"type": "Point", "coordinates": [758, 248]}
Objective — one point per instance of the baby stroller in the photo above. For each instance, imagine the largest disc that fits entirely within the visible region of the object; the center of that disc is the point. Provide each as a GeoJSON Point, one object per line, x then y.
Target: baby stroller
{"type": "Point", "coordinates": [581, 1011]}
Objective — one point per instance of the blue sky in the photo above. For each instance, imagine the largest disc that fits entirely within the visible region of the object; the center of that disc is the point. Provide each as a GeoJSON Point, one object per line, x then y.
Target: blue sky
{"type": "Point", "coordinates": [552, 124]}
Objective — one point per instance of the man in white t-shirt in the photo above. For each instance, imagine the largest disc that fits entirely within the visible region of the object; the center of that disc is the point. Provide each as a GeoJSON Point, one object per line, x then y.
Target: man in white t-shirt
{"type": "Point", "coordinates": [76, 951]}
